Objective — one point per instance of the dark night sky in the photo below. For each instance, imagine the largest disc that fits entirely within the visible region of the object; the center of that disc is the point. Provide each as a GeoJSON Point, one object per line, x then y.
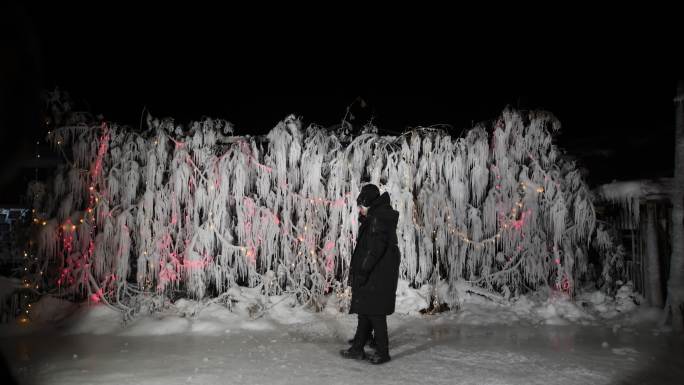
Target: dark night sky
{"type": "Point", "coordinates": [617, 115]}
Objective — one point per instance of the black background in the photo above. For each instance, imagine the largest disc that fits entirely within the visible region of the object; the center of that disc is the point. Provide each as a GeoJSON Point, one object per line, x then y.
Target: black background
{"type": "Point", "coordinates": [614, 101]}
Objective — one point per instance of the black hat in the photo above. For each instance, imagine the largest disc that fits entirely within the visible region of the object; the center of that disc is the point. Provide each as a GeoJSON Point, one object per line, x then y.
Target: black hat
{"type": "Point", "coordinates": [368, 194]}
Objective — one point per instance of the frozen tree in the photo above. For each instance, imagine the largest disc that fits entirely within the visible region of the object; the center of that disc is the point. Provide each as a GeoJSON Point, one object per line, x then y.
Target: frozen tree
{"type": "Point", "coordinates": [201, 210]}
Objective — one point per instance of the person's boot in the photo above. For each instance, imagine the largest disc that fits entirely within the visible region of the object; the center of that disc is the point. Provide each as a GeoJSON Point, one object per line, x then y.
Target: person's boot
{"type": "Point", "coordinates": [379, 358]}
{"type": "Point", "coordinates": [353, 353]}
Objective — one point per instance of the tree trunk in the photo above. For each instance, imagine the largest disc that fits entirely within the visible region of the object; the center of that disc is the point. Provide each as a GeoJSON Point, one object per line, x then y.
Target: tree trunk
{"type": "Point", "coordinates": [675, 285]}
{"type": "Point", "coordinates": [654, 294]}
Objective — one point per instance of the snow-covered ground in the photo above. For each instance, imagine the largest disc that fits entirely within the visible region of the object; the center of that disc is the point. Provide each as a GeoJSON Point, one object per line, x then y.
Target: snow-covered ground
{"type": "Point", "coordinates": [540, 339]}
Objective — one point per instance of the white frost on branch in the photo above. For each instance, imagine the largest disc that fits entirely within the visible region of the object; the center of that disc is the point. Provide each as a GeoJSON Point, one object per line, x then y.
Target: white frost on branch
{"type": "Point", "coordinates": [205, 210]}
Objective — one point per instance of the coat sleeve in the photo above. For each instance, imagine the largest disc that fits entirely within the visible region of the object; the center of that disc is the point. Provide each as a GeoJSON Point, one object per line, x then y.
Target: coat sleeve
{"type": "Point", "coordinates": [377, 246]}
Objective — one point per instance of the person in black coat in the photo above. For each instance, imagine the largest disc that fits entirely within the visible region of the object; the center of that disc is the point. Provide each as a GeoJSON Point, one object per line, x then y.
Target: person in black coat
{"type": "Point", "coordinates": [374, 273]}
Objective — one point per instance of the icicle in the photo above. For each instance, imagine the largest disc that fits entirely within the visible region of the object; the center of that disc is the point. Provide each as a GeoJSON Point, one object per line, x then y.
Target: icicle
{"type": "Point", "coordinates": [627, 196]}
{"type": "Point", "coordinates": [557, 217]}
{"type": "Point", "coordinates": [66, 207]}
{"type": "Point", "coordinates": [201, 208]}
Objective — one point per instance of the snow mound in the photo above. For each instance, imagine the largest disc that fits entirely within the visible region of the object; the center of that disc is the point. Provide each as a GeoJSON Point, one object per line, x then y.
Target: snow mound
{"type": "Point", "coordinates": [250, 310]}
{"type": "Point", "coordinates": [625, 305]}
{"type": "Point", "coordinates": [93, 319]}
{"type": "Point", "coordinates": [152, 326]}
{"type": "Point", "coordinates": [410, 301]}
{"type": "Point", "coordinates": [51, 309]}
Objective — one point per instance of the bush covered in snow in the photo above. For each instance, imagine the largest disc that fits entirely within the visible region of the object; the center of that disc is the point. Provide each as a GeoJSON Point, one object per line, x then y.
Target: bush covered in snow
{"type": "Point", "coordinates": [200, 210]}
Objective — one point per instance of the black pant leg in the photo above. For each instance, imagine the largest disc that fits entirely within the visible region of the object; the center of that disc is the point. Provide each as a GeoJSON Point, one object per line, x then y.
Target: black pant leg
{"type": "Point", "coordinates": [379, 324]}
{"type": "Point", "coordinates": [363, 329]}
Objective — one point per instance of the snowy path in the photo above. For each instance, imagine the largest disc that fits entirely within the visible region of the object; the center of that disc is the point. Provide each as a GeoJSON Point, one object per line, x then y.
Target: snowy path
{"type": "Point", "coordinates": [424, 351]}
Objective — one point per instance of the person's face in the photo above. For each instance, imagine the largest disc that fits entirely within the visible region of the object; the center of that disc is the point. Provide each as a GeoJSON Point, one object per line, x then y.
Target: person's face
{"type": "Point", "coordinates": [363, 210]}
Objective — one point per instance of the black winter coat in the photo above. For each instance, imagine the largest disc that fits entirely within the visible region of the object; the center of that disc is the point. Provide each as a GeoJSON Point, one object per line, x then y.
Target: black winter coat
{"type": "Point", "coordinates": [375, 262]}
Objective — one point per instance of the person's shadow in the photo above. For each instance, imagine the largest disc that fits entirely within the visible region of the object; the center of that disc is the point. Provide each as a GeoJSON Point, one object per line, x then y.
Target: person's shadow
{"type": "Point", "coordinates": [441, 334]}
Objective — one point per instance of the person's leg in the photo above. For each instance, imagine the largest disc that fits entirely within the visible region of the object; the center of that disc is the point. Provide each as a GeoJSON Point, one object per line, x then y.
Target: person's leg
{"type": "Point", "coordinates": [370, 339]}
{"type": "Point", "coordinates": [362, 330]}
{"type": "Point", "coordinates": [381, 339]}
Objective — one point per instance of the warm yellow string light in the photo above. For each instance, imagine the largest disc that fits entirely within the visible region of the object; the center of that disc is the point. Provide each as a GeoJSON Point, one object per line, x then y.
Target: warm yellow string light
{"type": "Point", "coordinates": [463, 235]}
